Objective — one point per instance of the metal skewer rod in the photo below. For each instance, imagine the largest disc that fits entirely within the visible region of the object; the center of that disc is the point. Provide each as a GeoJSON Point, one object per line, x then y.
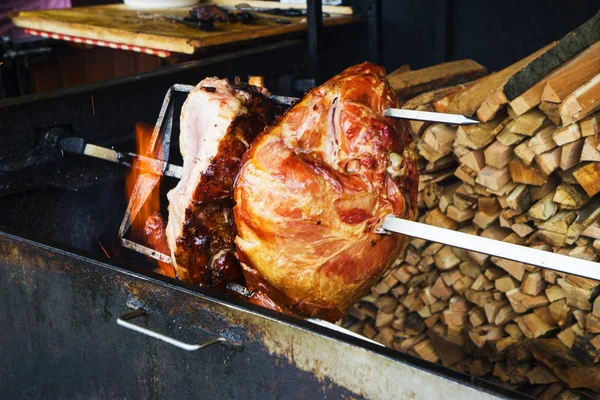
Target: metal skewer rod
{"type": "Point", "coordinates": [451, 119]}
{"type": "Point", "coordinates": [144, 163]}
{"type": "Point", "coordinates": [76, 145]}
{"type": "Point", "coordinates": [509, 251]}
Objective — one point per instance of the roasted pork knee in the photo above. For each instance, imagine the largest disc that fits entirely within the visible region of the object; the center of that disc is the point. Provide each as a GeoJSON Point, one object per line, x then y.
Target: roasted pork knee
{"type": "Point", "coordinates": [313, 189]}
{"type": "Point", "coordinates": [219, 120]}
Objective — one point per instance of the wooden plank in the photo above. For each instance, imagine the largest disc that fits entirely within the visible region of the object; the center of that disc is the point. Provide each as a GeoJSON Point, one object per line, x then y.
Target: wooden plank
{"type": "Point", "coordinates": [508, 138]}
{"type": "Point", "coordinates": [431, 96]}
{"type": "Point", "coordinates": [470, 100]}
{"type": "Point", "coordinates": [46, 75]}
{"type": "Point", "coordinates": [560, 82]}
{"type": "Point", "coordinates": [584, 101]}
{"type": "Point", "coordinates": [475, 160]}
{"type": "Point", "coordinates": [121, 24]}
{"type": "Point", "coordinates": [567, 47]}
{"type": "Point", "coordinates": [573, 74]}
{"type": "Point", "coordinates": [422, 80]}
{"type": "Point", "coordinates": [570, 197]}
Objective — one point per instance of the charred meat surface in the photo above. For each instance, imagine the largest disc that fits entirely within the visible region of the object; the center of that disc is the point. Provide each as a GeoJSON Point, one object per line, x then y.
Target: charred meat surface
{"type": "Point", "coordinates": [219, 120]}
{"type": "Point", "coordinates": [313, 189]}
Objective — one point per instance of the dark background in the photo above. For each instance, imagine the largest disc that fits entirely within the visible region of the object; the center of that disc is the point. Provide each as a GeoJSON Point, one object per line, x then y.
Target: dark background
{"type": "Point", "coordinates": [494, 33]}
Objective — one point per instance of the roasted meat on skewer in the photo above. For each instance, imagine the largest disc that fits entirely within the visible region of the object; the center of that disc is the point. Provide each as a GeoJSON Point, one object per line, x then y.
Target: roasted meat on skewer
{"type": "Point", "coordinates": [310, 193]}
{"type": "Point", "coordinates": [219, 120]}
{"type": "Point", "coordinates": [313, 189]}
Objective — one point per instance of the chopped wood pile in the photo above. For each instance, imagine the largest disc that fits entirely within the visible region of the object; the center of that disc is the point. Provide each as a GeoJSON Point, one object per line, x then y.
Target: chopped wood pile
{"type": "Point", "coordinates": [529, 174]}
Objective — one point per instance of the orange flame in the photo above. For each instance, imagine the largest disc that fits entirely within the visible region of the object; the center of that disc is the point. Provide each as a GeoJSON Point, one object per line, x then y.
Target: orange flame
{"type": "Point", "coordinates": [147, 227]}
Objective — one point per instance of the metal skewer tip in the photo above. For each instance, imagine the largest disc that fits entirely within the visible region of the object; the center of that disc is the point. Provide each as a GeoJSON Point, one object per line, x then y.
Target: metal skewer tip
{"type": "Point", "coordinates": [451, 119]}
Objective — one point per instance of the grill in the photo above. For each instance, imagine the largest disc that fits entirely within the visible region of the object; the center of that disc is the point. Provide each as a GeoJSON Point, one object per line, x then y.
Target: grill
{"type": "Point", "coordinates": [69, 288]}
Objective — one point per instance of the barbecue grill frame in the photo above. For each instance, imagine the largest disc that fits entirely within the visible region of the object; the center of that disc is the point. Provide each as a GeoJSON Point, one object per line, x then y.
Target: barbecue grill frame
{"type": "Point", "coordinates": [264, 348]}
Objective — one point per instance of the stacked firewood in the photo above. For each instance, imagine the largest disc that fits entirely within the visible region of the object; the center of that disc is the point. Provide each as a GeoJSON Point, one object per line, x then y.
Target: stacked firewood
{"type": "Point", "coordinates": [529, 174]}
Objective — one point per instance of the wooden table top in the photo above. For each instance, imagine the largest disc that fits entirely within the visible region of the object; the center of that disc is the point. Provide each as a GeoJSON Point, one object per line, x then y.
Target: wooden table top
{"type": "Point", "coordinates": [150, 29]}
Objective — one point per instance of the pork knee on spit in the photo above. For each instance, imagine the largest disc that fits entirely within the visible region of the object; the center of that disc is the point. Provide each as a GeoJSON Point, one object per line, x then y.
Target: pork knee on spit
{"type": "Point", "coordinates": [313, 189]}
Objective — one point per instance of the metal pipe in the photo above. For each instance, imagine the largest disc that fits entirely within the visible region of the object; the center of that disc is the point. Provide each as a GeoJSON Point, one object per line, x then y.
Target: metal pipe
{"type": "Point", "coordinates": [374, 36]}
{"type": "Point", "coordinates": [314, 14]}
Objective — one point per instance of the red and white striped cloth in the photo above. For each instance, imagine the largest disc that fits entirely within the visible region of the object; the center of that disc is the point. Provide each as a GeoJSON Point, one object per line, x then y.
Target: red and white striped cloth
{"type": "Point", "coordinates": [95, 42]}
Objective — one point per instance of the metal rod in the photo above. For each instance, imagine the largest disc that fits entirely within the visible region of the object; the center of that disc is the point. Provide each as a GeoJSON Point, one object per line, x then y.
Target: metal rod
{"type": "Point", "coordinates": [374, 36]}
{"type": "Point", "coordinates": [314, 17]}
{"type": "Point", "coordinates": [146, 164]}
{"type": "Point", "coordinates": [147, 251]}
{"type": "Point", "coordinates": [452, 119]}
{"type": "Point", "coordinates": [509, 251]}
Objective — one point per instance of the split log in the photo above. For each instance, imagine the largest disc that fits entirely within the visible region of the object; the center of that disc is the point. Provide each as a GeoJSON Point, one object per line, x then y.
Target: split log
{"type": "Point", "coordinates": [552, 111]}
{"type": "Point", "coordinates": [422, 80]}
{"type": "Point", "coordinates": [556, 356]}
{"type": "Point", "coordinates": [521, 173]}
{"type": "Point", "coordinates": [567, 47]}
{"type": "Point", "coordinates": [478, 136]}
{"type": "Point", "coordinates": [588, 177]}
{"type": "Point", "coordinates": [548, 162]}
{"type": "Point", "coordinates": [543, 141]}
{"type": "Point", "coordinates": [567, 134]}
{"type": "Point", "coordinates": [590, 126]}
{"type": "Point", "coordinates": [544, 208]}
{"type": "Point", "coordinates": [570, 197]}
{"type": "Point", "coordinates": [428, 97]}
{"type": "Point", "coordinates": [524, 152]}
{"type": "Point", "coordinates": [572, 74]}
{"type": "Point", "coordinates": [584, 101]}
{"type": "Point", "coordinates": [470, 100]}
{"type": "Point", "coordinates": [589, 151]}
{"type": "Point", "coordinates": [493, 178]}
{"type": "Point", "coordinates": [529, 123]}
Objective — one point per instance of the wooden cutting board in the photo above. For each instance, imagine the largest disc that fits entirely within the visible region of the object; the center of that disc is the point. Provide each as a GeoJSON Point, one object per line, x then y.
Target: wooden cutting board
{"type": "Point", "coordinates": [150, 29]}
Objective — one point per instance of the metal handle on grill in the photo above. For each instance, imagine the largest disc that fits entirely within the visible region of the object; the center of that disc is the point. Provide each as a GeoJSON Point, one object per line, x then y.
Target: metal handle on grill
{"type": "Point", "coordinates": [123, 321]}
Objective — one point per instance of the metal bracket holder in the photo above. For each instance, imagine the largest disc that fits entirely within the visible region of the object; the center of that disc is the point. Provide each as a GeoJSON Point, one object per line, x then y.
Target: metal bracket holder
{"type": "Point", "coordinates": [124, 319]}
{"type": "Point", "coordinates": [158, 148]}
